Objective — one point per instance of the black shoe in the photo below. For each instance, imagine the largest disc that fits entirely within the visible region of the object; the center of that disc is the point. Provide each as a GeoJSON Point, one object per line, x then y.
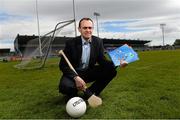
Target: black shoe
{"type": "Point", "coordinates": [87, 94]}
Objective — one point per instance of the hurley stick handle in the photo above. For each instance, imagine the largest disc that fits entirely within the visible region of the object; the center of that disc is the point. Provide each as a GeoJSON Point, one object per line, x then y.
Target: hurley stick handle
{"type": "Point", "coordinates": [68, 62]}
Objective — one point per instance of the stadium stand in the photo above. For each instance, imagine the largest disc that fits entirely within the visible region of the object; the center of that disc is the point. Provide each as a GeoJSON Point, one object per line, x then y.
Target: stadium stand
{"type": "Point", "coordinates": [20, 43]}
{"type": "Point", "coordinates": [4, 53]}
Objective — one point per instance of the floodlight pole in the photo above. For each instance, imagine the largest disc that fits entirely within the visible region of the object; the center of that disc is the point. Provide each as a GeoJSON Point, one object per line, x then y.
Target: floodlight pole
{"type": "Point", "coordinates": [40, 49]}
{"type": "Point", "coordinates": [74, 13]}
{"type": "Point", "coordinates": [97, 14]}
{"type": "Point", "coordinates": [162, 27]}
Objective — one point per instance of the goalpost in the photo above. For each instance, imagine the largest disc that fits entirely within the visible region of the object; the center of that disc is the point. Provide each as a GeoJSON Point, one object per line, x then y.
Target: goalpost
{"type": "Point", "coordinates": [32, 59]}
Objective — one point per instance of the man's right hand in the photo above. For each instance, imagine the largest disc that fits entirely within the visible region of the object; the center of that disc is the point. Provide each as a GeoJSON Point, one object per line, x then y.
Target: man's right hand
{"type": "Point", "coordinates": [80, 84]}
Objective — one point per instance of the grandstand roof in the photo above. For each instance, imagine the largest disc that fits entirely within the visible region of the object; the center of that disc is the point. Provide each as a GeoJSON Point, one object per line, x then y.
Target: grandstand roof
{"type": "Point", "coordinates": [124, 41]}
{"type": "Point", "coordinates": [24, 39]}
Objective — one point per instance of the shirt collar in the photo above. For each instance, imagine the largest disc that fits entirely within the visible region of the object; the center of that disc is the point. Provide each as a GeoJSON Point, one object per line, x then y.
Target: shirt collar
{"type": "Point", "coordinates": [83, 40]}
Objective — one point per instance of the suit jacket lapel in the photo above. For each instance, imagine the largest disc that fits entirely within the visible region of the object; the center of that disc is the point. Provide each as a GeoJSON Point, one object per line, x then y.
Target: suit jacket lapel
{"type": "Point", "coordinates": [92, 51]}
{"type": "Point", "coordinates": [79, 48]}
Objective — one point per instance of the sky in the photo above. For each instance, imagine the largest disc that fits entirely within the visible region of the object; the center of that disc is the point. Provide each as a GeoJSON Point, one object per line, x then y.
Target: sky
{"type": "Point", "coordinates": [119, 19]}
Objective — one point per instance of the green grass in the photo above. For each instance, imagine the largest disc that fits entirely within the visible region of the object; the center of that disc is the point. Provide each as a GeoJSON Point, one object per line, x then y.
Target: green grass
{"type": "Point", "coordinates": [148, 88]}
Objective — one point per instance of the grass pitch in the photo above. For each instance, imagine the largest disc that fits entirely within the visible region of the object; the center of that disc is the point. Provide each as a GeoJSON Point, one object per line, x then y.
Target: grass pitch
{"type": "Point", "coordinates": [148, 88]}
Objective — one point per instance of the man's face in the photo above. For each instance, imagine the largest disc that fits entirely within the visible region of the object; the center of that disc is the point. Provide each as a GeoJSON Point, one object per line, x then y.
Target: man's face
{"type": "Point", "coordinates": [86, 29]}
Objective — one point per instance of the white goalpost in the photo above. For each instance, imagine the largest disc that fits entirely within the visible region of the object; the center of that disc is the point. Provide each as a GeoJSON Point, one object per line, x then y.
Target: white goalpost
{"type": "Point", "coordinates": [32, 59]}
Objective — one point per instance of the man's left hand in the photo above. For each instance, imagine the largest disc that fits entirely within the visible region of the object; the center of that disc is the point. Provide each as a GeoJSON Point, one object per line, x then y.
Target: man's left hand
{"type": "Point", "coordinates": [123, 63]}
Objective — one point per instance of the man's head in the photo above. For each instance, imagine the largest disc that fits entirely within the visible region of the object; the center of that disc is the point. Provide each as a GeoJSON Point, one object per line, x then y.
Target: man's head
{"type": "Point", "coordinates": [86, 26]}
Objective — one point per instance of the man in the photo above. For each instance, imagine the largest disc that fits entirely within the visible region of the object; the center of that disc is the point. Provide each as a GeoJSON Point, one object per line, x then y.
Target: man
{"type": "Point", "coordinates": [86, 54]}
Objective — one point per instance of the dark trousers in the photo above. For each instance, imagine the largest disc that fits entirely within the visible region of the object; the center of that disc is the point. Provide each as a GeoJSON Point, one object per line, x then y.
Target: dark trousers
{"type": "Point", "coordinates": [100, 76]}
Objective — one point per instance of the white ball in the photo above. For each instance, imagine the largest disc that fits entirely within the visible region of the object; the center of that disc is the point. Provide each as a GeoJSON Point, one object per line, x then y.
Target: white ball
{"type": "Point", "coordinates": [76, 107]}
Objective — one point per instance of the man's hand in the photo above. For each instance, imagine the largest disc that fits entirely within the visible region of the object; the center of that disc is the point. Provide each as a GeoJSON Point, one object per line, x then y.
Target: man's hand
{"type": "Point", "coordinates": [80, 84]}
{"type": "Point", "coordinates": [123, 63]}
